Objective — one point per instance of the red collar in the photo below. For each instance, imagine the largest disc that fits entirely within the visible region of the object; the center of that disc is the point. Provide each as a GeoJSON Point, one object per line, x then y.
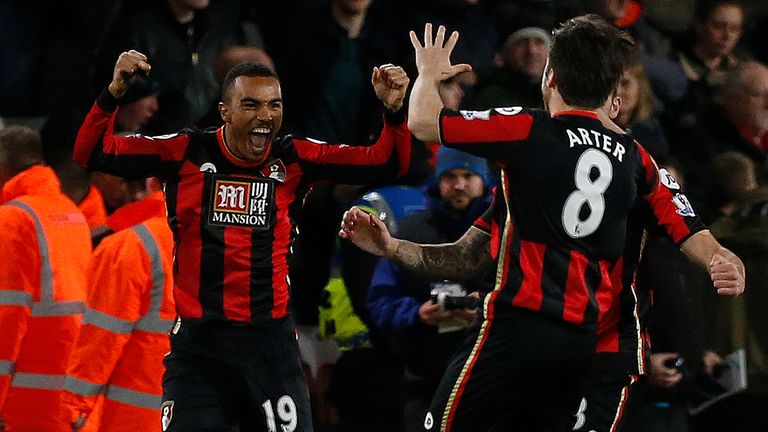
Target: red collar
{"type": "Point", "coordinates": [579, 113]}
{"type": "Point", "coordinates": [234, 159]}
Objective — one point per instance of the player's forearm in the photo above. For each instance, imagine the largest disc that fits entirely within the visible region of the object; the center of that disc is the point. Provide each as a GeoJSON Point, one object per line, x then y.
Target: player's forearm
{"type": "Point", "coordinates": [457, 261]}
{"type": "Point", "coordinates": [700, 248]}
{"type": "Point", "coordinates": [424, 110]}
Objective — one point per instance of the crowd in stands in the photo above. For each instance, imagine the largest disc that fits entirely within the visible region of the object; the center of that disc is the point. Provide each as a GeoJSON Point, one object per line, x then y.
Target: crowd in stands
{"type": "Point", "coordinates": [695, 97]}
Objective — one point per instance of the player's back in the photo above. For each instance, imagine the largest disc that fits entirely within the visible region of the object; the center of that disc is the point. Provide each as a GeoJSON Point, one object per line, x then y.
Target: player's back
{"type": "Point", "coordinates": [560, 222]}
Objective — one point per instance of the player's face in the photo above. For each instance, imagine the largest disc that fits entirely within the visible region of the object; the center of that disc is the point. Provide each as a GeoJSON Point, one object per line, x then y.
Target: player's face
{"type": "Point", "coordinates": [459, 186]}
{"type": "Point", "coordinates": [720, 33]}
{"type": "Point", "coordinates": [253, 113]}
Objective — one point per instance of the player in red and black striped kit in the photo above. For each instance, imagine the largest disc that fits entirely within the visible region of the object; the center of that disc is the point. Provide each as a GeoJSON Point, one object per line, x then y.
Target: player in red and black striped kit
{"type": "Point", "coordinates": [231, 195]}
{"type": "Point", "coordinates": [565, 233]}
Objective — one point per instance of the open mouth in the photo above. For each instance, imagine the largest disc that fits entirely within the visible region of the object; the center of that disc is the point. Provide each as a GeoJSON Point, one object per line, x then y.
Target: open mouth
{"type": "Point", "coordinates": [259, 138]}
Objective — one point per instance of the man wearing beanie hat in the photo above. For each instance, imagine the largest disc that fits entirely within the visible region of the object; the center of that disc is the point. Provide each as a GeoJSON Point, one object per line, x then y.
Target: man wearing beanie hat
{"type": "Point", "coordinates": [423, 332]}
{"type": "Point", "coordinates": [516, 80]}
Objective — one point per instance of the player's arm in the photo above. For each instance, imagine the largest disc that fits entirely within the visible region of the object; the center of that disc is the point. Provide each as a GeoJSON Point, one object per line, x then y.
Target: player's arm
{"type": "Point", "coordinates": [725, 268]}
{"type": "Point", "coordinates": [18, 275]}
{"type": "Point", "coordinates": [674, 213]}
{"type": "Point", "coordinates": [458, 261]}
{"type": "Point", "coordinates": [98, 148]}
{"type": "Point", "coordinates": [434, 65]}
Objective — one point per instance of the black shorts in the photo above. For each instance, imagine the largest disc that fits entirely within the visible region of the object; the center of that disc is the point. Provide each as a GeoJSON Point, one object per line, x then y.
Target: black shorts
{"type": "Point", "coordinates": [607, 390]}
{"type": "Point", "coordinates": [522, 372]}
{"type": "Point", "coordinates": [219, 375]}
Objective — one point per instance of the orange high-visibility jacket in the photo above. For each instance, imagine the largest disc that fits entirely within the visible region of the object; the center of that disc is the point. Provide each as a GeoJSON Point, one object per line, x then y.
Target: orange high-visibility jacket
{"type": "Point", "coordinates": [45, 247]}
{"type": "Point", "coordinates": [93, 209]}
{"type": "Point", "coordinates": [115, 372]}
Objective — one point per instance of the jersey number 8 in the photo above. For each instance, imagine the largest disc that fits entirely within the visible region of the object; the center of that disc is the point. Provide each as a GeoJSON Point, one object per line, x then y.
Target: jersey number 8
{"type": "Point", "coordinates": [588, 191]}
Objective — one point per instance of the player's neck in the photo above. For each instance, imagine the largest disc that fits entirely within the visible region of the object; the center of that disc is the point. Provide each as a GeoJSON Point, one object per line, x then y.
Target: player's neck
{"type": "Point", "coordinates": [556, 105]}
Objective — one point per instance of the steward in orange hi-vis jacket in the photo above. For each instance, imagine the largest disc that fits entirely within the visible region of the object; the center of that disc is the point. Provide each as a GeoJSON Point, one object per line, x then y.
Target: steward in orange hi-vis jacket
{"type": "Point", "coordinates": [45, 246]}
{"type": "Point", "coordinates": [115, 373]}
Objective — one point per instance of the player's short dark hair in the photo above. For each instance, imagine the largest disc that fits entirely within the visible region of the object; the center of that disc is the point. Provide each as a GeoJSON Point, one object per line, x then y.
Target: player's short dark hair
{"type": "Point", "coordinates": [245, 69]}
{"type": "Point", "coordinates": [705, 8]}
{"type": "Point", "coordinates": [20, 148]}
{"type": "Point", "coordinates": [588, 57]}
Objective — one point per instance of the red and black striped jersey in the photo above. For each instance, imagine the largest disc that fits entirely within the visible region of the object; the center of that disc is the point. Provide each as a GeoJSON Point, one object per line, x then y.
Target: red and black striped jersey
{"type": "Point", "coordinates": [233, 220]}
{"type": "Point", "coordinates": [569, 216]}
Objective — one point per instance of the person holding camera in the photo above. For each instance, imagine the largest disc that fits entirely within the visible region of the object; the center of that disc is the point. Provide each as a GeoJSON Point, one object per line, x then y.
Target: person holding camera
{"type": "Point", "coordinates": [424, 318]}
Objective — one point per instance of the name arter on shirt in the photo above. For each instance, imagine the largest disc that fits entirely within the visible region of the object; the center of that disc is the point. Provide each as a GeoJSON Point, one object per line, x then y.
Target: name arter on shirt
{"type": "Point", "coordinates": [596, 139]}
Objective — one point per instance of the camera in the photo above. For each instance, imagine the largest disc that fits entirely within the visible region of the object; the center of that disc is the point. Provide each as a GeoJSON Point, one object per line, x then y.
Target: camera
{"type": "Point", "coordinates": [451, 302]}
{"type": "Point", "coordinates": [675, 363]}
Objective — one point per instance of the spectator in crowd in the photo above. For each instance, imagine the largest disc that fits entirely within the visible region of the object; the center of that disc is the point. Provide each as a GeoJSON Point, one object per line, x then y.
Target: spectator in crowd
{"type": "Point", "coordinates": [516, 80]}
{"type": "Point", "coordinates": [183, 39]}
{"type": "Point", "coordinates": [718, 26]}
{"type": "Point", "coordinates": [511, 15]}
{"type": "Point", "coordinates": [706, 60]}
{"type": "Point", "coordinates": [45, 247]}
{"type": "Point", "coordinates": [114, 377]}
{"type": "Point", "coordinates": [422, 331]}
{"type": "Point", "coordinates": [637, 111]}
{"type": "Point", "coordinates": [740, 323]}
{"type": "Point", "coordinates": [234, 359]}
{"type": "Point", "coordinates": [730, 175]}
{"type": "Point", "coordinates": [738, 122]}
{"type": "Point", "coordinates": [140, 105]}
{"type": "Point", "coordinates": [471, 18]}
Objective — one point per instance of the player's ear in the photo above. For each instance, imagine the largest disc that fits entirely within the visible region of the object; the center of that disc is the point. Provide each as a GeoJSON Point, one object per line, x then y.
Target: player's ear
{"type": "Point", "coordinates": [549, 78]}
{"type": "Point", "coordinates": [226, 115]}
{"type": "Point", "coordinates": [615, 106]}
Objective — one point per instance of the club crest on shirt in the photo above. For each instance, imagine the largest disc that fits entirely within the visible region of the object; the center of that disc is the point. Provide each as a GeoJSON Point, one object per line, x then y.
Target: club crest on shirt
{"type": "Point", "coordinates": [274, 170]}
{"type": "Point", "coordinates": [241, 202]}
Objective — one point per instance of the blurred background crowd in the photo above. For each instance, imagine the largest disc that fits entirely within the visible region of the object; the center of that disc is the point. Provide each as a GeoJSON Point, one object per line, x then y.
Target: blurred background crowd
{"type": "Point", "coordinates": [696, 97]}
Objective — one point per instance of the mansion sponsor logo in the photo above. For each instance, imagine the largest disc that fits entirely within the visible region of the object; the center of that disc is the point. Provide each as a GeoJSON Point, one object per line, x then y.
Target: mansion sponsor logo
{"type": "Point", "coordinates": [241, 202]}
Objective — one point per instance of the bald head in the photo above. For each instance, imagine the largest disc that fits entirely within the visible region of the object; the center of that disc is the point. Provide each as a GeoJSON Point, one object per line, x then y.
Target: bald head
{"type": "Point", "coordinates": [20, 148]}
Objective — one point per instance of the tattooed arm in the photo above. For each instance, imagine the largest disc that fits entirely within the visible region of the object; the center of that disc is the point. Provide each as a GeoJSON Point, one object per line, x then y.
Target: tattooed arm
{"type": "Point", "coordinates": [460, 260]}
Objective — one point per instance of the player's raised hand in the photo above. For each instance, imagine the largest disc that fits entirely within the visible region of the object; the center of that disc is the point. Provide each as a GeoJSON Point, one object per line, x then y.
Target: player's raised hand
{"type": "Point", "coordinates": [433, 58]}
{"type": "Point", "coordinates": [390, 83]}
{"type": "Point", "coordinates": [727, 273]}
{"type": "Point", "coordinates": [128, 64]}
{"type": "Point", "coordinates": [367, 232]}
